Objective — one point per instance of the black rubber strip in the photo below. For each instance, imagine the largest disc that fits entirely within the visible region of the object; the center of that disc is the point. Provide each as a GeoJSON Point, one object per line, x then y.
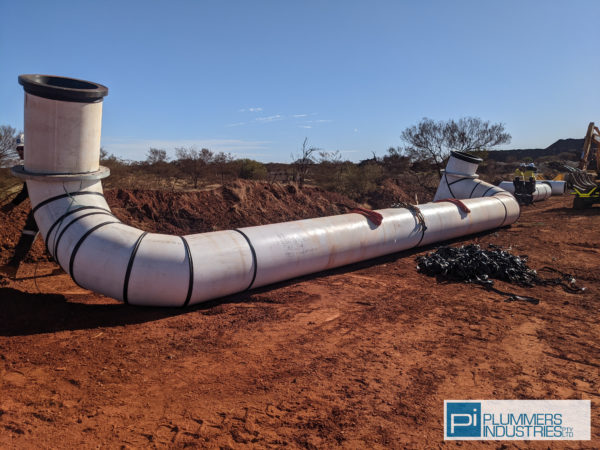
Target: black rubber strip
{"type": "Point", "coordinates": [63, 217]}
{"type": "Point", "coordinates": [488, 190]}
{"type": "Point", "coordinates": [448, 184]}
{"type": "Point", "coordinates": [188, 254]}
{"type": "Point", "coordinates": [57, 240]}
{"type": "Point", "coordinates": [81, 240]}
{"type": "Point", "coordinates": [136, 246]}
{"type": "Point", "coordinates": [254, 260]}
{"type": "Point", "coordinates": [457, 181]}
{"type": "Point", "coordinates": [63, 88]}
{"type": "Point", "coordinates": [474, 187]}
{"type": "Point", "coordinates": [505, 210]}
{"type": "Point", "coordinates": [67, 194]}
{"type": "Point", "coordinates": [466, 157]}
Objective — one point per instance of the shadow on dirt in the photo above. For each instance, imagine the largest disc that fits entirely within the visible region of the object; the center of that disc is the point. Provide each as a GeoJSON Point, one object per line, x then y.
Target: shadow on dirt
{"type": "Point", "coordinates": [565, 211]}
{"type": "Point", "coordinates": [24, 313]}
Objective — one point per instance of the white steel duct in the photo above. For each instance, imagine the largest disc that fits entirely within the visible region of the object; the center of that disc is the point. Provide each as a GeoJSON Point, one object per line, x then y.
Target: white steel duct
{"type": "Point", "coordinates": [104, 255]}
{"type": "Point", "coordinates": [543, 189]}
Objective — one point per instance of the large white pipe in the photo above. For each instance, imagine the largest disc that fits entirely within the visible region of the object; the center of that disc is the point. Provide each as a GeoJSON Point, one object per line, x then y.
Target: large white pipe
{"type": "Point", "coordinates": [109, 257]}
{"type": "Point", "coordinates": [557, 187]}
{"type": "Point", "coordinates": [543, 190]}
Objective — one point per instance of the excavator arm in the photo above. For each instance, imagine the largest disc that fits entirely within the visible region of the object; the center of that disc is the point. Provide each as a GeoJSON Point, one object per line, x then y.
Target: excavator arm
{"type": "Point", "coordinates": [591, 137]}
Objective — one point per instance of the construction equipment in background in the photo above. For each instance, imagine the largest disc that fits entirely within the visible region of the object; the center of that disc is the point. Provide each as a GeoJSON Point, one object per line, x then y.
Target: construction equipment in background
{"type": "Point", "coordinates": [585, 189]}
{"type": "Point", "coordinates": [585, 184]}
{"type": "Point", "coordinates": [591, 137]}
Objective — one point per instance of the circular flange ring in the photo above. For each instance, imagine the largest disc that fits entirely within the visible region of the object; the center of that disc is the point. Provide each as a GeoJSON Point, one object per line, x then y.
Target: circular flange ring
{"type": "Point", "coordinates": [20, 172]}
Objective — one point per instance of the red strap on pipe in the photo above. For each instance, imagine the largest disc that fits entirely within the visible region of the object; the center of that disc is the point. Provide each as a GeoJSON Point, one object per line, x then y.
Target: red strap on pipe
{"type": "Point", "coordinates": [464, 208]}
{"type": "Point", "coordinates": [373, 216]}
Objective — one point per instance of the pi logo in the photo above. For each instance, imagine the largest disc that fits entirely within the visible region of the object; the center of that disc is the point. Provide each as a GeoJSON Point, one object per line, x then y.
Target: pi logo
{"type": "Point", "coordinates": [462, 419]}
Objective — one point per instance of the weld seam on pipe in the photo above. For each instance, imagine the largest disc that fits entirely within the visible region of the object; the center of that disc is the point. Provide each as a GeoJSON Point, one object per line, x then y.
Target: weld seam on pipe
{"type": "Point", "coordinates": [254, 258]}
{"type": "Point", "coordinates": [57, 241]}
{"type": "Point", "coordinates": [136, 246]}
{"type": "Point", "coordinates": [188, 254]}
{"type": "Point", "coordinates": [63, 217]}
{"type": "Point", "coordinates": [65, 195]}
{"type": "Point", "coordinates": [78, 245]}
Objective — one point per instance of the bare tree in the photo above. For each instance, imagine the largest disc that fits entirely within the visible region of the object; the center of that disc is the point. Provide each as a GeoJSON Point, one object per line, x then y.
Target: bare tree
{"type": "Point", "coordinates": [433, 141]}
{"type": "Point", "coordinates": [192, 162]}
{"type": "Point", "coordinates": [8, 144]}
{"type": "Point", "coordinates": [222, 162]}
{"type": "Point", "coordinates": [156, 155]}
{"type": "Point", "coordinates": [302, 162]}
{"type": "Point", "coordinates": [331, 163]}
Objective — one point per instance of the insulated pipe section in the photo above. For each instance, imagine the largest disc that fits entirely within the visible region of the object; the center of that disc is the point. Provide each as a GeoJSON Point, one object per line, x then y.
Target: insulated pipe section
{"type": "Point", "coordinates": [63, 117]}
{"type": "Point", "coordinates": [542, 191]}
{"type": "Point", "coordinates": [557, 187]}
{"type": "Point", "coordinates": [104, 255]}
{"type": "Point", "coordinates": [460, 180]}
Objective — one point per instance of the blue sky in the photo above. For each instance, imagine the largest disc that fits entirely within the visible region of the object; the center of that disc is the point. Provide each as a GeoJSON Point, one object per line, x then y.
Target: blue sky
{"type": "Point", "coordinates": [255, 78]}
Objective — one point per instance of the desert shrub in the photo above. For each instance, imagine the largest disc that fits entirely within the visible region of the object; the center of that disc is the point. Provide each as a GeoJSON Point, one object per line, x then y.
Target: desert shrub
{"type": "Point", "coordinates": [358, 181]}
{"type": "Point", "coordinates": [248, 169]}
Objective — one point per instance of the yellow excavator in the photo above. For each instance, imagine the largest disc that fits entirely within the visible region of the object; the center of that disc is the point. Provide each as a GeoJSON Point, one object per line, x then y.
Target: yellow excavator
{"type": "Point", "coordinates": [591, 137]}
{"type": "Point", "coordinates": [584, 183]}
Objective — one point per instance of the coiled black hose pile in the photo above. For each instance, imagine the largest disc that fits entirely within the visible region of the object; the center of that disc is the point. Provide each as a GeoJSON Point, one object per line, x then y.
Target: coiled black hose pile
{"type": "Point", "coordinates": [472, 264]}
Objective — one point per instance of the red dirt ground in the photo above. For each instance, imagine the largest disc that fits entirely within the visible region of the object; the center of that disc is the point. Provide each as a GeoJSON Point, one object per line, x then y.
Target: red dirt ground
{"type": "Point", "coordinates": [358, 357]}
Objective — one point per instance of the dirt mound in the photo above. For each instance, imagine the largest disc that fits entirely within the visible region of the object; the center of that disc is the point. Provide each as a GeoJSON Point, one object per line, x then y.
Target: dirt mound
{"type": "Point", "coordinates": [10, 231]}
{"type": "Point", "coordinates": [239, 204]}
{"type": "Point", "coordinates": [388, 193]}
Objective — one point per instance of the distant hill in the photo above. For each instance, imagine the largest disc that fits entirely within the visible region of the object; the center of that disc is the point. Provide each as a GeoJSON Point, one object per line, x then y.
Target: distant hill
{"type": "Point", "coordinates": [573, 146]}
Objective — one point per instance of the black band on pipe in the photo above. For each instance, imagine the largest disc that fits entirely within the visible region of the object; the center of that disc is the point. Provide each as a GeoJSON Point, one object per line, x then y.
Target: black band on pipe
{"type": "Point", "coordinates": [474, 187]}
{"type": "Point", "coordinates": [254, 260]}
{"type": "Point", "coordinates": [505, 210]}
{"type": "Point", "coordinates": [448, 184]}
{"type": "Point", "coordinates": [57, 240]}
{"type": "Point", "coordinates": [188, 255]}
{"type": "Point", "coordinates": [488, 190]}
{"type": "Point", "coordinates": [136, 246]}
{"type": "Point", "coordinates": [67, 194]}
{"type": "Point", "coordinates": [457, 181]}
{"type": "Point", "coordinates": [81, 239]}
{"type": "Point", "coordinates": [64, 216]}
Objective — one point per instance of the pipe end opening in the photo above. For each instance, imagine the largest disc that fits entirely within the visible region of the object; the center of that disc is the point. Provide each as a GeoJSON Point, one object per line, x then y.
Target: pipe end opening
{"type": "Point", "coordinates": [62, 88]}
{"type": "Point", "coordinates": [466, 157]}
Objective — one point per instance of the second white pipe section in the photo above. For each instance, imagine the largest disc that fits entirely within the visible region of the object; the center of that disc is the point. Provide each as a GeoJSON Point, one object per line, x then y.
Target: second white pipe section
{"type": "Point", "coordinates": [106, 256]}
{"type": "Point", "coordinates": [543, 190]}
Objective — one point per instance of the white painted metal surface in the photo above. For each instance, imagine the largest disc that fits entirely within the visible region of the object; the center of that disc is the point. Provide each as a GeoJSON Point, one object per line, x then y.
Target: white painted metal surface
{"type": "Point", "coordinates": [62, 137]}
{"type": "Point", "coordinates": [543, 190]}
{"type": "Point", "coordinates": [122, 262]}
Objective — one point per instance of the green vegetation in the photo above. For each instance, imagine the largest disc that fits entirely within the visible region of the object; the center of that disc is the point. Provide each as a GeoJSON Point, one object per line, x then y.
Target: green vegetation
{"type": "Point", "coordinates": [407, 173]}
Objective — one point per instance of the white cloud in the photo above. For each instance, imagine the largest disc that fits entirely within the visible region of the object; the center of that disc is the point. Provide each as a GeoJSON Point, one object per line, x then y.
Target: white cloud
{"type": "Point", "coordinates": [269, 118]}
{"type": "Point", "coordinates": [251, 109]}
{"type": "Point", "coordinates": [297, 116]}
{"type": "Point", "coordinates": [236, 124]}
{"type": "Point", "coordinates": [305, 126]}
{"type": "Point", "coordinates": [356, 130]}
